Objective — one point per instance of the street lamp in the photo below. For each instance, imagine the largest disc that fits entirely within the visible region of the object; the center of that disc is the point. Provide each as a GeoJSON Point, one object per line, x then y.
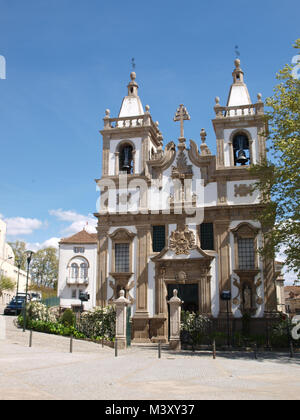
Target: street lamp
{"type": "Point", "coordinates": [226, 296]}
{"type": "Point", "coordinates": [29, 255]}
{"type": "Point", "coordinates": [19, 268]}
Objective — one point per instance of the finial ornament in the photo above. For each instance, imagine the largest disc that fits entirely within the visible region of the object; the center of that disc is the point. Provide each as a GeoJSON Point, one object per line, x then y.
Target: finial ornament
{"type": "Point", "coordinates": [133, 75]}
{"type": "Point", "coordinates": [147, 108]}
{"type": "Point", "coordinates": [217, 99]}
{"type": "Point", "coordinates": [107, 113]}
{"type": "Point", "coordinates": [259, 97]}
{"type": "Point", "coordinates": [181, 115]}
{"type": "Point", "coordinates": [203, 135]}
{"type": "Point", "coordinates": [237, 63]}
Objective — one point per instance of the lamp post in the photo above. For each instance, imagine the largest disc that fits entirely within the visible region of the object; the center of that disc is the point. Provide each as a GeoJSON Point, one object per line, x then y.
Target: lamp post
{"type": "Point", "coordinates": [226, 296]}
{"type": "Point", "coordinates": [29, 255]}
{"type": "Point", "coordinates": [19, 268]}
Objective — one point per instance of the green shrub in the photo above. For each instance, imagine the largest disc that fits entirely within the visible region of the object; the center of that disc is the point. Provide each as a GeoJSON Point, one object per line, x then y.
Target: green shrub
{"type": "Point", "coordinates": [194, 327]}
{"type": "Point", "coordinates": [51, 328]}
{"type": "Point", "coordinates": [68, 318]}
{"type": "Point", "coordinates": [101, 322]}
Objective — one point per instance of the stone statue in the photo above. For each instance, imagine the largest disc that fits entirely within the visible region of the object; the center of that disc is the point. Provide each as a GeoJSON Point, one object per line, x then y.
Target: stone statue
{"type": "Point", "coordinates": [247, 298]}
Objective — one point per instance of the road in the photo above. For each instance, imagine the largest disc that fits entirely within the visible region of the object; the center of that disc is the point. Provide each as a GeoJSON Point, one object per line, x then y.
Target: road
{"type": "Point", "coordinates": [48, 371]}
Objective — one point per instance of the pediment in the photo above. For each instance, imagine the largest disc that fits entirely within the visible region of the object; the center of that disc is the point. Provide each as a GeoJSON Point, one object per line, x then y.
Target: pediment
{"type": "Point", "coordinates": [194, 254]}
{"type": "Point", "coordinates": [122, 235]}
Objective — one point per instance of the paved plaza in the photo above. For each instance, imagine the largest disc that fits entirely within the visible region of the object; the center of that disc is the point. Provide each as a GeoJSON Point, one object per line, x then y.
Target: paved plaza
{"type": "Point", "coordinates": [48, 371]}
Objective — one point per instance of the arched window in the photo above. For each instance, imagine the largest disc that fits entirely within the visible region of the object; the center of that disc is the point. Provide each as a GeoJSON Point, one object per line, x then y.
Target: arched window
{"type": "Point", "coordinates": [74, 271]}
{"type": "Point", "coordinates": [241, 150]}
{"type": "Point", "coordinates": [126, 158]}
{"type": "Point", "coordinates": [83, 271]}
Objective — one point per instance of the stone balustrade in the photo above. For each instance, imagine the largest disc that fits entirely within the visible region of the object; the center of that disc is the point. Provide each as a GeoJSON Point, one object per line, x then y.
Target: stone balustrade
{"type": "Point", "coordinates": [237, 111]}
{"type": "Point", "coordinates": [129, 122]}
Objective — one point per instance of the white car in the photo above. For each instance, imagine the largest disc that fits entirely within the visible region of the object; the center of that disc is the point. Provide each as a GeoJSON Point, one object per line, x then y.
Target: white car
{"type": "Point", "coordinates": [35, 297]}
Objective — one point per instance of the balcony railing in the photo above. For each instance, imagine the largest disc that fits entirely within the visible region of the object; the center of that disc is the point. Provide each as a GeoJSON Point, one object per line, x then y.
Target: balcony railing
{"type": "Point", "coordinates": [237, 111]}
{"type": "Point", "coordinates": [77, 281]}
{"type": "Point", "coordinates": [129, 122]}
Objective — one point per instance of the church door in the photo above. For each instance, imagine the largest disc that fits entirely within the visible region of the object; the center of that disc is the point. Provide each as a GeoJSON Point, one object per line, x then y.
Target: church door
{"type": "Point", "coordinates": [188, 293]}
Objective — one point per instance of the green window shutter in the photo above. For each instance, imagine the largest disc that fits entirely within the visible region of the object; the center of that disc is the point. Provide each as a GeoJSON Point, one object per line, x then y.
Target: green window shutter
{"type": "Point", "coordinates": [207, 236]}
{"type": "Point", "coordinates": [158, 238]}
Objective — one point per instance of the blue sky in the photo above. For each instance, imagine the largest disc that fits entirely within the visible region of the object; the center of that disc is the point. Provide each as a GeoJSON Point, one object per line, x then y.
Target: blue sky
{"type": "Point", "coordinates": [67, 61]}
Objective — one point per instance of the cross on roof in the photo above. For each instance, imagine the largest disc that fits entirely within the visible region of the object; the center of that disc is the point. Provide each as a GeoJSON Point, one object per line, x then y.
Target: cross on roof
{"type": "Point", "coordinates": [181, 115]}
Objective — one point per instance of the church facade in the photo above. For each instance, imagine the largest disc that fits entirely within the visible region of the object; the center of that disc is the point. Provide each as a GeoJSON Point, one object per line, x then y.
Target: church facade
{"type": "Point", "coordinates": [180, 217]}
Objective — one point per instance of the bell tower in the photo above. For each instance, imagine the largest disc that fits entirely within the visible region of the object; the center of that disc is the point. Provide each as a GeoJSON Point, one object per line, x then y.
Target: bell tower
{"type": "Point", "coordinates": [130, 139]}
{"type": "Point", "coordinates": [240, 126]}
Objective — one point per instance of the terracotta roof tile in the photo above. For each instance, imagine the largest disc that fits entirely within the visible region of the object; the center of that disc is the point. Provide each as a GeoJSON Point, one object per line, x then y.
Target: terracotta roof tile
{"type": "Point", "coordinates": [82, 237]}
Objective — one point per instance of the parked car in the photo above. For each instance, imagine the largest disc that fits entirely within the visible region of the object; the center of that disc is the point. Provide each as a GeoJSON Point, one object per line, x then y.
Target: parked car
{"type": "Point", "coordinates": [35, 297]}
{"type": "Point", "coordinates": [15, 306]}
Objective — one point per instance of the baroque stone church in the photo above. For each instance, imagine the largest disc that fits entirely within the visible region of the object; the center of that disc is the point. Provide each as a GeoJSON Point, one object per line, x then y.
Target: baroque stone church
{"type": "Point", "coordinates": [180, 217]}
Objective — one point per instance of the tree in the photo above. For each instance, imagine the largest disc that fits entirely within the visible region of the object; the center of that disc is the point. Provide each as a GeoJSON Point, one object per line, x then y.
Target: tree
{"type": "Point", "coordinates": [6, 283]}
{"type": "Point", "coordinates": [19, 249]}
{"type": "Point", "coordinates": [44, 268]}
{"type": "Point", "coordinates": [279, 179]}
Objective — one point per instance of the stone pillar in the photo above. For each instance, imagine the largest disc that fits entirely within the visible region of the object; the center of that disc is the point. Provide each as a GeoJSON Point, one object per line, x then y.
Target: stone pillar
{"type": "Point", "coordinates": [141, 316]}
{"type": "Point", "coordinates": [101, 293]}
{"type": "Point", "coordinates": [121, 320]}
{"type": "Point", "coordinates": [175, 320]}
{"type": "Point", "coordinates": [223, 249]}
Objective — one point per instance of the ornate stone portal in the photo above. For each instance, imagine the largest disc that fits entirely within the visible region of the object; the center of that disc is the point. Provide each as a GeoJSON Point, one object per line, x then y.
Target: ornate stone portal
{"type": "Point", "coordinates": [174, 271]}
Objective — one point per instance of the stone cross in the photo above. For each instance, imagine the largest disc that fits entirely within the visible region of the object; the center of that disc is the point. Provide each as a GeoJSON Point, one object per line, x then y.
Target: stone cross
{"type": "Point", "coordinates": [181, 115]}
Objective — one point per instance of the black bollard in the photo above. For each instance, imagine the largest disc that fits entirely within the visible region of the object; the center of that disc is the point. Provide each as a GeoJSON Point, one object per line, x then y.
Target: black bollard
{"type": "Point", "coordinates": [159, 350]}
{"type": "Point", "coordinates": [116, 348]}
{"type": "Point", "coordinates": [71, 344]}
{"type": "Point", "coordinates": [30, 339]}
{"type": "Point", "coordinates": [214, 350]}
{"type": "Point", "coordinates": [255, 351]}
{"type": "Point", "coordinates": [291, 349]}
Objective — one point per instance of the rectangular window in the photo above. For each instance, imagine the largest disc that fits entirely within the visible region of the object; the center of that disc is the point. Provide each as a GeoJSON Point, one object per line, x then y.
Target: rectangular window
{"type": "Point", "coordinates": [122, 258]}
{"type": "Point", "coordinates": [158, 238]}
{"type": "Point", "coordinates": [207, 236]}
{"type": "Point", "coordinates": [246, 253]}
{"type": "Point", "coordinates": [78, 250]}
{"type": "Point", "coordinates": [74, 294]}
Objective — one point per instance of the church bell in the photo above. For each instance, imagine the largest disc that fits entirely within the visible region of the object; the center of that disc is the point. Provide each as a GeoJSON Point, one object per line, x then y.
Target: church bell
{"type": "Point", "coordinates": [242, 159]}
{"type": "Point", "coordinates": [127, 159]}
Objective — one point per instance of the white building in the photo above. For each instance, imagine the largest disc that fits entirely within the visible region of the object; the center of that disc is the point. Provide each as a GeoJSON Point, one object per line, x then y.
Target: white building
{"type": "Point", "coordinates": [8, 267]}
{"type": "Point", "coordinates": [77, 270]}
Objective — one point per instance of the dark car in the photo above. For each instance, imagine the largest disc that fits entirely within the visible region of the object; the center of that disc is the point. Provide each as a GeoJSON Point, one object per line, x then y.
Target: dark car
{"type": "Point", "coordinates": [15, 306]}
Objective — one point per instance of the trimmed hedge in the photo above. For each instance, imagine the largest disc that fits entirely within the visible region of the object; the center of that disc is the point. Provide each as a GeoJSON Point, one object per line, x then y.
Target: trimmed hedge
{"type": "Point", "coordinates": [51, 328]}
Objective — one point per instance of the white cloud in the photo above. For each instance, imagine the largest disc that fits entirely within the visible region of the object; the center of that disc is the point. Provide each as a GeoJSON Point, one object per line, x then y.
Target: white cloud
{"type": "Point", "coordinates": [36, 246]}
{"type": "Point", "coordinates": [78, 221]}
{"type": "Point", "coordinates": [22, 226]}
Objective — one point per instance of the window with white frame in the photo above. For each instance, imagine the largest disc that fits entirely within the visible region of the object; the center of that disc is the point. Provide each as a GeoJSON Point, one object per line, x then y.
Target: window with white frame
{"type": "Point", "coordinates": [78, 250]}
{"type": "Point", "coordinates": [83, 270]}
{"type": "Point", "coordinates": [74, 271]}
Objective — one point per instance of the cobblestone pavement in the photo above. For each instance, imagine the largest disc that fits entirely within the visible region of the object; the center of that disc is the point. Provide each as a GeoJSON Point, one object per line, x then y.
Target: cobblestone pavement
{"type": "Point", "coordinates": [49, 371]}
